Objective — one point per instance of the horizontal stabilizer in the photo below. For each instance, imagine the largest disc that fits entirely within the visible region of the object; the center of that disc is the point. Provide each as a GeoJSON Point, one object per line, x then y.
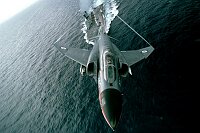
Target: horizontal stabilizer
{"type": "Point", "coordinates": [134, 56]}
{"type": "Point", "coordinates": [76, 54]}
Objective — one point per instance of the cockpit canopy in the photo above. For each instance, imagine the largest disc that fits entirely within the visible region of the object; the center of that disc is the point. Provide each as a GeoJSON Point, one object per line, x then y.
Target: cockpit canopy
{"type": "Point", "coordinates": [108, 59]}
{"type": "Point", "coordinates": [109, 68]}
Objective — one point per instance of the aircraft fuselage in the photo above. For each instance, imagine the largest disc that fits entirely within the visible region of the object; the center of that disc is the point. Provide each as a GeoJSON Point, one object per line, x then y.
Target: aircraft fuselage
{"type": "Point", "coordinates": [107, 64]}
{"type": "Point", "coordinates": [109, 82]}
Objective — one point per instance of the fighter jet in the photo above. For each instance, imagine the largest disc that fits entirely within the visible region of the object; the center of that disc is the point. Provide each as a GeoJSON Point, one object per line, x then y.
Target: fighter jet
{"type": "Point", "coordinates": [106, 64]}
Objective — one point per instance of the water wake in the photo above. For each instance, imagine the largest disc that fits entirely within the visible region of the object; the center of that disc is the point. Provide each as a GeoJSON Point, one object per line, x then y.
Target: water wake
{"type": "Point", "coordinates": [111, 11]}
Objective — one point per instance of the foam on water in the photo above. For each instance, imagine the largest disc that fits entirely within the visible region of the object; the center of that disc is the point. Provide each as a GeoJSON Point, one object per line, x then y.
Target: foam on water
{"type": "Point", "coordinates": [111, 12]}
{"type": "Point", "coordinates": [98, 2]}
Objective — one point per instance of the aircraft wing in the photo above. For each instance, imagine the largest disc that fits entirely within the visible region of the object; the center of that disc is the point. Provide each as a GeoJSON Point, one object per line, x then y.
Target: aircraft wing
{"type": "Point", "coordinates": [134, 56]}
{"type": "Point", "coordinates": [76, 54]}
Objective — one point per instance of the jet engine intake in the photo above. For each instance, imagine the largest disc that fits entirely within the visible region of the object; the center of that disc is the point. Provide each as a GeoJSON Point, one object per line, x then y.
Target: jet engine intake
{"type": "Point", "coordinates": [123, 71]}
{"type": "Point", "coordinates": [91, 69]}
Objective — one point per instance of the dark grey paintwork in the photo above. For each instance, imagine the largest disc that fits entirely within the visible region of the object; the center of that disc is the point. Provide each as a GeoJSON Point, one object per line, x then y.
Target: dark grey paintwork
{"type": "Point", "coordinates": [111, 105]}
{"type": "Point", "coordinates": [107, 64]}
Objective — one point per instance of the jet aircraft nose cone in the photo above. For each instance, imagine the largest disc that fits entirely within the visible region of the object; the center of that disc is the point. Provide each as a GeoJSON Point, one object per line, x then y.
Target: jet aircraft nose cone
{"type": "Point", "coordinates": [111, 105]}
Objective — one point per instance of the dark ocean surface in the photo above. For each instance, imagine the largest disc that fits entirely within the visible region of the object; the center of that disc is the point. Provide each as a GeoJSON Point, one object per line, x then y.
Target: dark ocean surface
{"type": "Point", "coordinates": [43, 92]}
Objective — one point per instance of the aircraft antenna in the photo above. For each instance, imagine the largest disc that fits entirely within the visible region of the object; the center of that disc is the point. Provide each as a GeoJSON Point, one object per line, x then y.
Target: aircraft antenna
{"type": "Point", "coordinates": [134, 30]}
